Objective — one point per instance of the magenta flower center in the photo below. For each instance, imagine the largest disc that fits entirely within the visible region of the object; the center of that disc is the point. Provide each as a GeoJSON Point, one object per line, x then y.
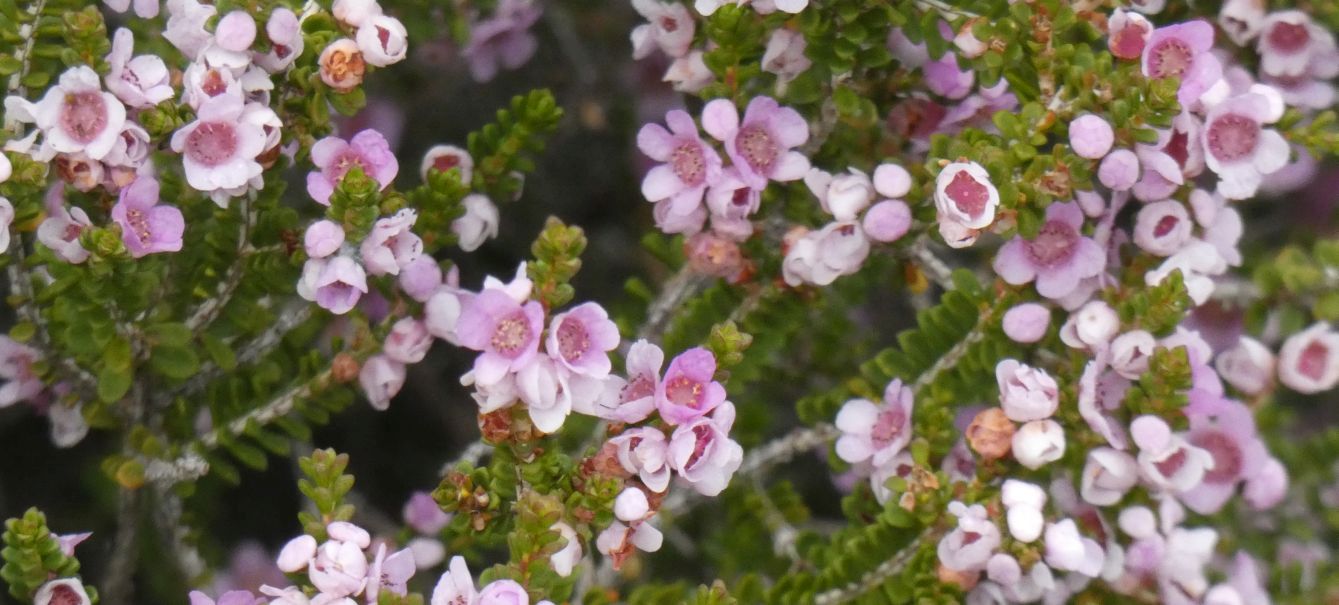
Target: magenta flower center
{"type": "Point", "coordinates": [1313, 360]}
{"type": "Point", "coordinates": [1170, 58]}
{"type": "Point", "coordinates": [62, 594]}
{"type": "Point", "coordinates": [445, 162]}
{"type": "Point", "coordinates": [682, 390]}
{"type": "Point", "coordinates": [1233, 137]}
{"type": "Point", "coordinates": [1289, 38]}
{"type": "Point", "coordinates": [1129, 41]}
{"type": "Point", "coordinates": [669, 24]}
{"type": "Point", "coordinates": [72, 232]}
{"type": "Point", "coordinates": [758, 148]}
{"type": "Point", "coordinates": [637, 388]}
{"type": "Point", "coordinates": [967, 194]}
{"type": "Point", "coordinates": [1165, 225]}
{"type": "Point", "coordinates": [1227, 456]}
{"type": "Point", "coordinates": [740, 197]}
{"type": "Point", "coordinates": [970, 537]}
{"type": "Point", "coordinates": [1055, 244]}
{"type": "Point", "coordinates": [384, 36]}
{"type": "Point", "coordinates": [702, 433]}
{"type": "Point", "coordinates": [212, 143]}
{"type": "Point", "coordinates": [887, 426]}
{"type": "Point", "coordinates": [1178, 147]}
{"type": "Point", "coordinates": [573, 340]}
{"type": "Point", "coordinates": [84, 116]}
{"type": "Point", "coordinates": [688, 164]}
{"type": "Point", "coordinates": [1173, 463]}
{"type": "Point", "coordinates": [213, 83]}
{"type": "Point", "coordinates": [511, 334]}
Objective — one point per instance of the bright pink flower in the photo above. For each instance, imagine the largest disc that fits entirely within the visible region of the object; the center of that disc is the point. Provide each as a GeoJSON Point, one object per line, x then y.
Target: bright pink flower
{"type": "Point", "coordinates": [1129, 33]}
{"type": "Point", "coordinates": [1183, 51]}
{"type": "Point", "coordinates": [579, 340]}
{"type": "Point", "coordinates": [505, 332]}
{"type": "Point", "coordinates": [875, 432]}
{"type": "Point", "coordinates": [502, 41]}
{"type": "Point", "coordinates": [689, 390]}
{"type": "Point", "coordinates": [1058, 258]}
{"type": "Point", "coordinates": [689, 164]}
{"type": "Point", "coordinates": [703, 453]}
{"type": "Point", "coordinates": [334, 157]}
{"type": "Point", "coordinates": [146, 226]}
{"type": "Point", "coordinates": [761, 147]}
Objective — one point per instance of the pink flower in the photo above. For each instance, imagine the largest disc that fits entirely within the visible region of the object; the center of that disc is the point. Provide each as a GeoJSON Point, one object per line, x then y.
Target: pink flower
{"type": "Point", "coordinates": [339, 568]}
{"type": "Point", "coordinates": [504, 40]}
{"type": "Point", "coordinates": [1058, 259]}
{"type": "Point", "coordinates": [566, 559]}
{"type": "Point", "coordinates": [408, 341]}
{"type": "Point", "coordinates": [1026, 393]}
{"type": "Point", "coordinates": [16, 361]}
{"type": "Point", "coordinates": [689, 165]}
{"type": "Point", "coordinates": [1119, 170]}
{"type": "Point", "coordinates": [689, 73]}
{"type": "Point", "coordinates": [1107, 476]}
{"type": "Point", "coordinates": [820, 257]}
{"type": "Point", "coordinates": [1091, 136]}
{"type": "Point", "coordinates": [220, 147]}
{"type": "Point", "coordinates": [1268, 487]}
{"type": "Point", "coordinates": [456, 586]}
{"type": "Point", "coordinates": [423, 514]}
{"type": "Point", "coordinates": [232, 597]}
{"type": "Point", "coordinates": [1183, 51]}
{"type": "Point", "coordinates": [383, 40]}
{"type": "Point", "coordinates": [139, 82]}
{"type": "Point", "coordinates": [703, 453]}
{"type": "Point", "coordinates": [579, 340]}
{"type": "Point", "coordinates": [389, 572]}
{"type": "Point", "coordinates": [1129, 34]}
{"type": "Point", "coordinates": [1162, 228]}
{"type": "Point", "coordinates": [75, 116]}
{"type": "Point", "coordinates": [689, 391]}
{"type": "Point", "coordinates": [731, 202]}
{"type": "Point", "coordinates": [186, 26]}
{"type": "Point", "coordinates": [965, 196]}
{"type": "Point", "coordinates": [1237, 146]}
{"type": "Point", "coordinates": [1309, 360]}
{"type": "Point", "coordinates": [286, 42]}
{"type": "Point", "coordinates": [784, 55]}
{"type": "Point", "coordinates": [334, 283]}
{"type": "Point", "coordinates": [1226, 430]}
{"type": "Point", "coordinates": [1026, 323]}
{"type": "Point", "coordinates": [147, 227]}
{"type": "Point", "coordinates": [478, 224]}
{"type": "Point", "coordinates": [1167, 462]}
{"type": "Point", "coordinates": [60, 232]}
{"type": "Point", "coordinates": [875, 432]}
{"type": "Point", "coordinates": [761, 146]}
{"type": "Point", "coordinates": [1248, 366]}
{"type": "Point", "coordinates": [505, 332]}
{"type": "Point", "coordinates": [1177, 156]}
{"type": "Point", "coordinates": [636, 397]}
{"type": "Point", "coordinates": [392, 244]}
{"type": "Point", "coordinates": [842, 195]}
{"type": "Point", "coordinates": [236, 31]}
{"type": "Point", "coordinates": [64, 591]}
{"type": "Point", "coordinates": [1292, 45]}
{"type": "Point", "coordinates": [669, 27]}
{"type": "Point", "coordinates": [503, 592]}
{"type": "Point", "coordinates": [381, 379]}
{"type": "Point", "coordinates": [644, 451]}
{"type": "Point", "coordinates": [619, 541]}
{"type": "Point", "coordinates": [969, 546]}
{"type": "Point", "coordinates": [334, 157]}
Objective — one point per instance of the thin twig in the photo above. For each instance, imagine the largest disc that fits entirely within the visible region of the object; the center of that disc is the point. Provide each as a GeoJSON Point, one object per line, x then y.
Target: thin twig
{"type": "Point", "coordinates": [953, 356]}
{"type": "Point", "coordinates": [23, 54]}
{"type": "Point", "coordinates": [259, 347]}
{"type": "Point", "coordinates": [278, 407]}
{"type": "Point", "coordinates": [210, 308]}
{"type": "Point", "coordinates": [878, 575]}
{"type": "Point", "coordinates": [472, 454]}
{"type": "Point", "coordinates": [935, 267]}
{"type": "Point", "coordinates": [117, 586]}
{"type": "Point", "coordinates": [682, 286]}
{"type": "Point", "coordinates": [176, 535]}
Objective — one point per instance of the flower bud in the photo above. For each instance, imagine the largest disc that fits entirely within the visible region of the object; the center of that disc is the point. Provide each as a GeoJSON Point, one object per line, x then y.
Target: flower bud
{"type": "Point", "coordinates": [887, 221]}
{"type": "Point", "coordinates": [236, 31]}
{"type": "Point", "coordinates": [383, 40]}
{"type": "Point", "coordinates": [1119, 170]}
{"type": "Point", "coordinates": [408, 341]}
{"type": "Point", "coordinates": [344, 367]}
{"type": "Point", "coordinates": [323, 238]}
{"type": "Point", "coordinates": [296, 554]}
{"type": "Point", "coordinates": [990, 434]}
{"type": "Point", "coordinates": [1268, 487]}
{"type": "Point", "coordinates": [892, 181]}
{"type": "Point", "coordinates": [1026, 323]}
{"type": "Point", "coordinates": [1025, 523]}
{"type": "Point", "coordinates": [1039, 443]}
{"type": "Point", "coordinates": [478, 224]}
{"type": "Point", "coordinates": [421, 278]}
{"type": "Point", "coordinates": [1107, 475]}
{"type": "Point", "coordinates": [631, 505]}
{"type": "Point", "coordinates": [847, 194]}
{"type": "Point", "coordinates": [1015, 493]}
{"type": "Point", "coordinates": [381, 378]}
{"type": "Point", "coordinates": [342, 65]}
{"type": "Point", "coordinates": [348, 532]}
{"type": "Point", "coordinates": [1091, 327]}
{"type": "Point", "coordinates": [446, 157]}
{"type": "Point", "coordinates": [710, 254]}
{"type": "Point", "coordinates": [1091, 136]}
{"type": "Point", "coordinates": [1248, 366]}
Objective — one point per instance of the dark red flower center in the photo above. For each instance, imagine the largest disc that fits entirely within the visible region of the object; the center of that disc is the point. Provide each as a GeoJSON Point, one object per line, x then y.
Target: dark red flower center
{"type": "Point", "coordinates": [1289, 38]}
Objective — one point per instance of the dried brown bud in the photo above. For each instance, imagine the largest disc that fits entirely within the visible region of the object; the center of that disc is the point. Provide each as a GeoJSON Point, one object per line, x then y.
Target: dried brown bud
{"type": "Point", "coordinates": [966, 580]}
{"type": "Point", "coordinates": [495, 426]}
{"type": "Point", "coordinates": [344, 368]}
{"type": "Point", "coordinates": [991, 434]}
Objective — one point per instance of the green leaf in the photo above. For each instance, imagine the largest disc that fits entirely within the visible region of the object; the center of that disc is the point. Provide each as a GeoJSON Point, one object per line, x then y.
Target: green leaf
{"type": "Point", "coordinates": [175, 362]}
{"type": "Point", "coordinates": [114, 383]}
{"type": "Point", "coordinates": [168, 334]}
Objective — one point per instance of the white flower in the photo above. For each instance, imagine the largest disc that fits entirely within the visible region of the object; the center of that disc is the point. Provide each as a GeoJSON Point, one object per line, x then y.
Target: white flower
{"type": "Point", "coordinates": [479, 223]}
{"type": "Point", "coordinates": [1039, 443]}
